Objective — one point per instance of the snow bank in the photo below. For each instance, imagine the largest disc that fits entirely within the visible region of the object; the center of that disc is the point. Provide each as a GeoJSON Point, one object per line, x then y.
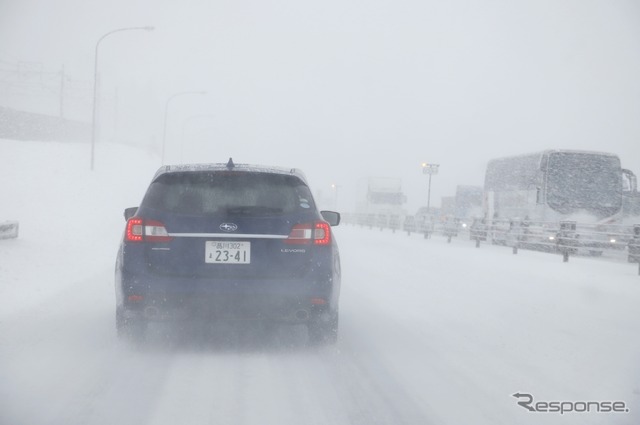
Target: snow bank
{"type": "Point", "coordinates": [70, 217]}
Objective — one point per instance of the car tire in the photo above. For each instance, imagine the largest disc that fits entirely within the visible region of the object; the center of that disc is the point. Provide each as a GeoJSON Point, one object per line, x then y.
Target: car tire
{"type": "Point", "coordinates": [323, 332]}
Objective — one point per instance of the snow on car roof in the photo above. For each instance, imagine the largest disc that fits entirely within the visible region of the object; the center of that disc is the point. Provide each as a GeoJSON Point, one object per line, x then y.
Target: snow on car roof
{"type": "Point", "coordinates": [247, 168]}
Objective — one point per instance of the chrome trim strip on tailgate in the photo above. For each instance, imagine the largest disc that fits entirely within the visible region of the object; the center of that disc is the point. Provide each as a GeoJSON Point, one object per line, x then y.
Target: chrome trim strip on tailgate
{"type": "Point", "coordinates": [226, 235]}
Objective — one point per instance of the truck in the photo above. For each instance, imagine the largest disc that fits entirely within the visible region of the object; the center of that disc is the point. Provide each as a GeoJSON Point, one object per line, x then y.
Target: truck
{"type": "Point", "coordinates": [380, 202]}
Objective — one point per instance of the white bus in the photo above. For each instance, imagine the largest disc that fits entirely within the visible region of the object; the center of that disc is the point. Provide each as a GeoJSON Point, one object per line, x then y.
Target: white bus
{"type": "Point", "coordinates": [527, 196]}
{"type": "Point", "coordinates": [556, 185]}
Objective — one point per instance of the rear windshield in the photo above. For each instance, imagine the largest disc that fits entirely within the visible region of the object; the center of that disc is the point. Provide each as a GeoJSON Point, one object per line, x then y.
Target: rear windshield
{"type": "Point", "coordinates": [251, 194]}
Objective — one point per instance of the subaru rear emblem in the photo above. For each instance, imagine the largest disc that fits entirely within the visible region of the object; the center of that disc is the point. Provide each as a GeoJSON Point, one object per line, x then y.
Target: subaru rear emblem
{"type": "Point", "coordinates": [228, 227]}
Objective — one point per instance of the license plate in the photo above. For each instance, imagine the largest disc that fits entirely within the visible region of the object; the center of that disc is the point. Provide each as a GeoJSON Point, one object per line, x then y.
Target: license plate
{"type": "Point", "coordinates": [225, 252]}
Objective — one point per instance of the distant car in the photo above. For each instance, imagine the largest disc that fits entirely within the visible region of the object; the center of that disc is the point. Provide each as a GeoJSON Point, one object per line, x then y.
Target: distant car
{"type": "Point", "coordinates": [226, 242]}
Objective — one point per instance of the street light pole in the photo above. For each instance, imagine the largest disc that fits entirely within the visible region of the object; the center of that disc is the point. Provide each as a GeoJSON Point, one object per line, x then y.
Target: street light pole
{"type": "Point", "coordinates": [95, 84]}
{"type": "Point", "coordinates": [166, 113]}
{"type": "Point", "coordinates": [335, 195]}
{"type": "Point", "coordinates": [184, 126]}
{"type": "Point", "coordinates": [429, 169]}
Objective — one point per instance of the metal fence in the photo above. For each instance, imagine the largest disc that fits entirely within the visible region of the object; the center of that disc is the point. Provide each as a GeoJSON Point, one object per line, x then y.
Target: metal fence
{"type": "Point", "coordinates": [566, 237]}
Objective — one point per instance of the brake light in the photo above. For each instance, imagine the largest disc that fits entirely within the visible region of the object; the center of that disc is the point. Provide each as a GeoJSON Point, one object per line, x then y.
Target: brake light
{"type": "Point", "coordinates": [140, 230]}
{"type": "Point", "coordinates": [134, 230]}
{"type": "Point", "coordinates": [322, 233]}
{"type": "Point", "coordinates": [318, 233]}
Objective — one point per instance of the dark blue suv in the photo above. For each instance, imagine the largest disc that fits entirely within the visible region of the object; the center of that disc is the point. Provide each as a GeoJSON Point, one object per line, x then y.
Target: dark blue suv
{"type": "Point", "coordinates": [226, 242]}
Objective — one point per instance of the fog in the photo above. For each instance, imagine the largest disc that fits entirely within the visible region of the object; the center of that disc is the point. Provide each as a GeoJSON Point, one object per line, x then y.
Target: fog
{"type": "Point", "coordinates": [430, 331]}
{"type": "Point", "coordinates": [341, 90]}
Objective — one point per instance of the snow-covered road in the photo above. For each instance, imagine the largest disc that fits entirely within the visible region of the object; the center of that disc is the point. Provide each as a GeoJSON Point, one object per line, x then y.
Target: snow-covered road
{"type": "Point", "coordinates": [431, 333]}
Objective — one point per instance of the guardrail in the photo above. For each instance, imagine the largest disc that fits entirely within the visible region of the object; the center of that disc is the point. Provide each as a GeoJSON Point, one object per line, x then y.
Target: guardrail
{"type": "Point", "coordinates": [566, 238]}
{"type": "Point", "coordinates": [9, 229]}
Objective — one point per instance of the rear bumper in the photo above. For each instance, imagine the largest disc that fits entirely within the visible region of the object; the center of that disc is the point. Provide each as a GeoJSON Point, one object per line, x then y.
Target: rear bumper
{"type": "Point", "coordinates": [227, 311]}
{"type": "Point", "coordinates": [170, 298]}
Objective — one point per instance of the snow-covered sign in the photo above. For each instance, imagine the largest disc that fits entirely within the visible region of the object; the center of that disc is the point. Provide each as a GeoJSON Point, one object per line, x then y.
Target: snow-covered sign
{"type": "Point", "coordinates": [9, 229]}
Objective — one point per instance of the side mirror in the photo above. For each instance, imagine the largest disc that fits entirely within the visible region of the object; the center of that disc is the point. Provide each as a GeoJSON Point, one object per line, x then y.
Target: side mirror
{"type": "Point", "coordinates": [130, 212]}
{"type": "Point", "coordinates": [331, 217]}
{"type": "Point", "coordinates": [630, 181]}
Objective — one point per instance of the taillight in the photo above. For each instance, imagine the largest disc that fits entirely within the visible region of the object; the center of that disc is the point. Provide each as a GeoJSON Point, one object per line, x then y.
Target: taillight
{"type": "Point", "coordinates": [300, 234]}
{"type": "Point", "coordinates": [154, 231]}
{"type": "Point", "coordinates": [139, 230]}
{"type": "Point", "coordinates": [134, 230]}
{"type": "Point", "coordinates": [318, 233]}
{"type": "Point", "coordinates": [322, 233]}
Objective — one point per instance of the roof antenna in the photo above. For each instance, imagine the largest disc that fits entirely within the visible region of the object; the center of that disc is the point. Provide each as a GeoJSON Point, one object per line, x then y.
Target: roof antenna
{"type": "Point", "coordinates": [230, 164]}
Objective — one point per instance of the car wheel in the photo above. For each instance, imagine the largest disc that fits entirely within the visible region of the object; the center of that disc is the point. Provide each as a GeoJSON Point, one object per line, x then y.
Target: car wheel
{"type": "Point", "coordinates": [323, 332]}
{"type": "Point", "coordinates": [130, 329]}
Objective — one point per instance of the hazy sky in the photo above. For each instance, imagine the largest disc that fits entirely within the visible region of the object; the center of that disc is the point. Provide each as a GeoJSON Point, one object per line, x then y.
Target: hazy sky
{"type": "Point", "coordinates": [346, 89]}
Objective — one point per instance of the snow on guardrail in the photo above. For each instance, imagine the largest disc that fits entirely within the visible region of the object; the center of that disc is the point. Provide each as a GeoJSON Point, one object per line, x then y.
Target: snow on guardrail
{"type": "Point", "coordinates": [565, 238]}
